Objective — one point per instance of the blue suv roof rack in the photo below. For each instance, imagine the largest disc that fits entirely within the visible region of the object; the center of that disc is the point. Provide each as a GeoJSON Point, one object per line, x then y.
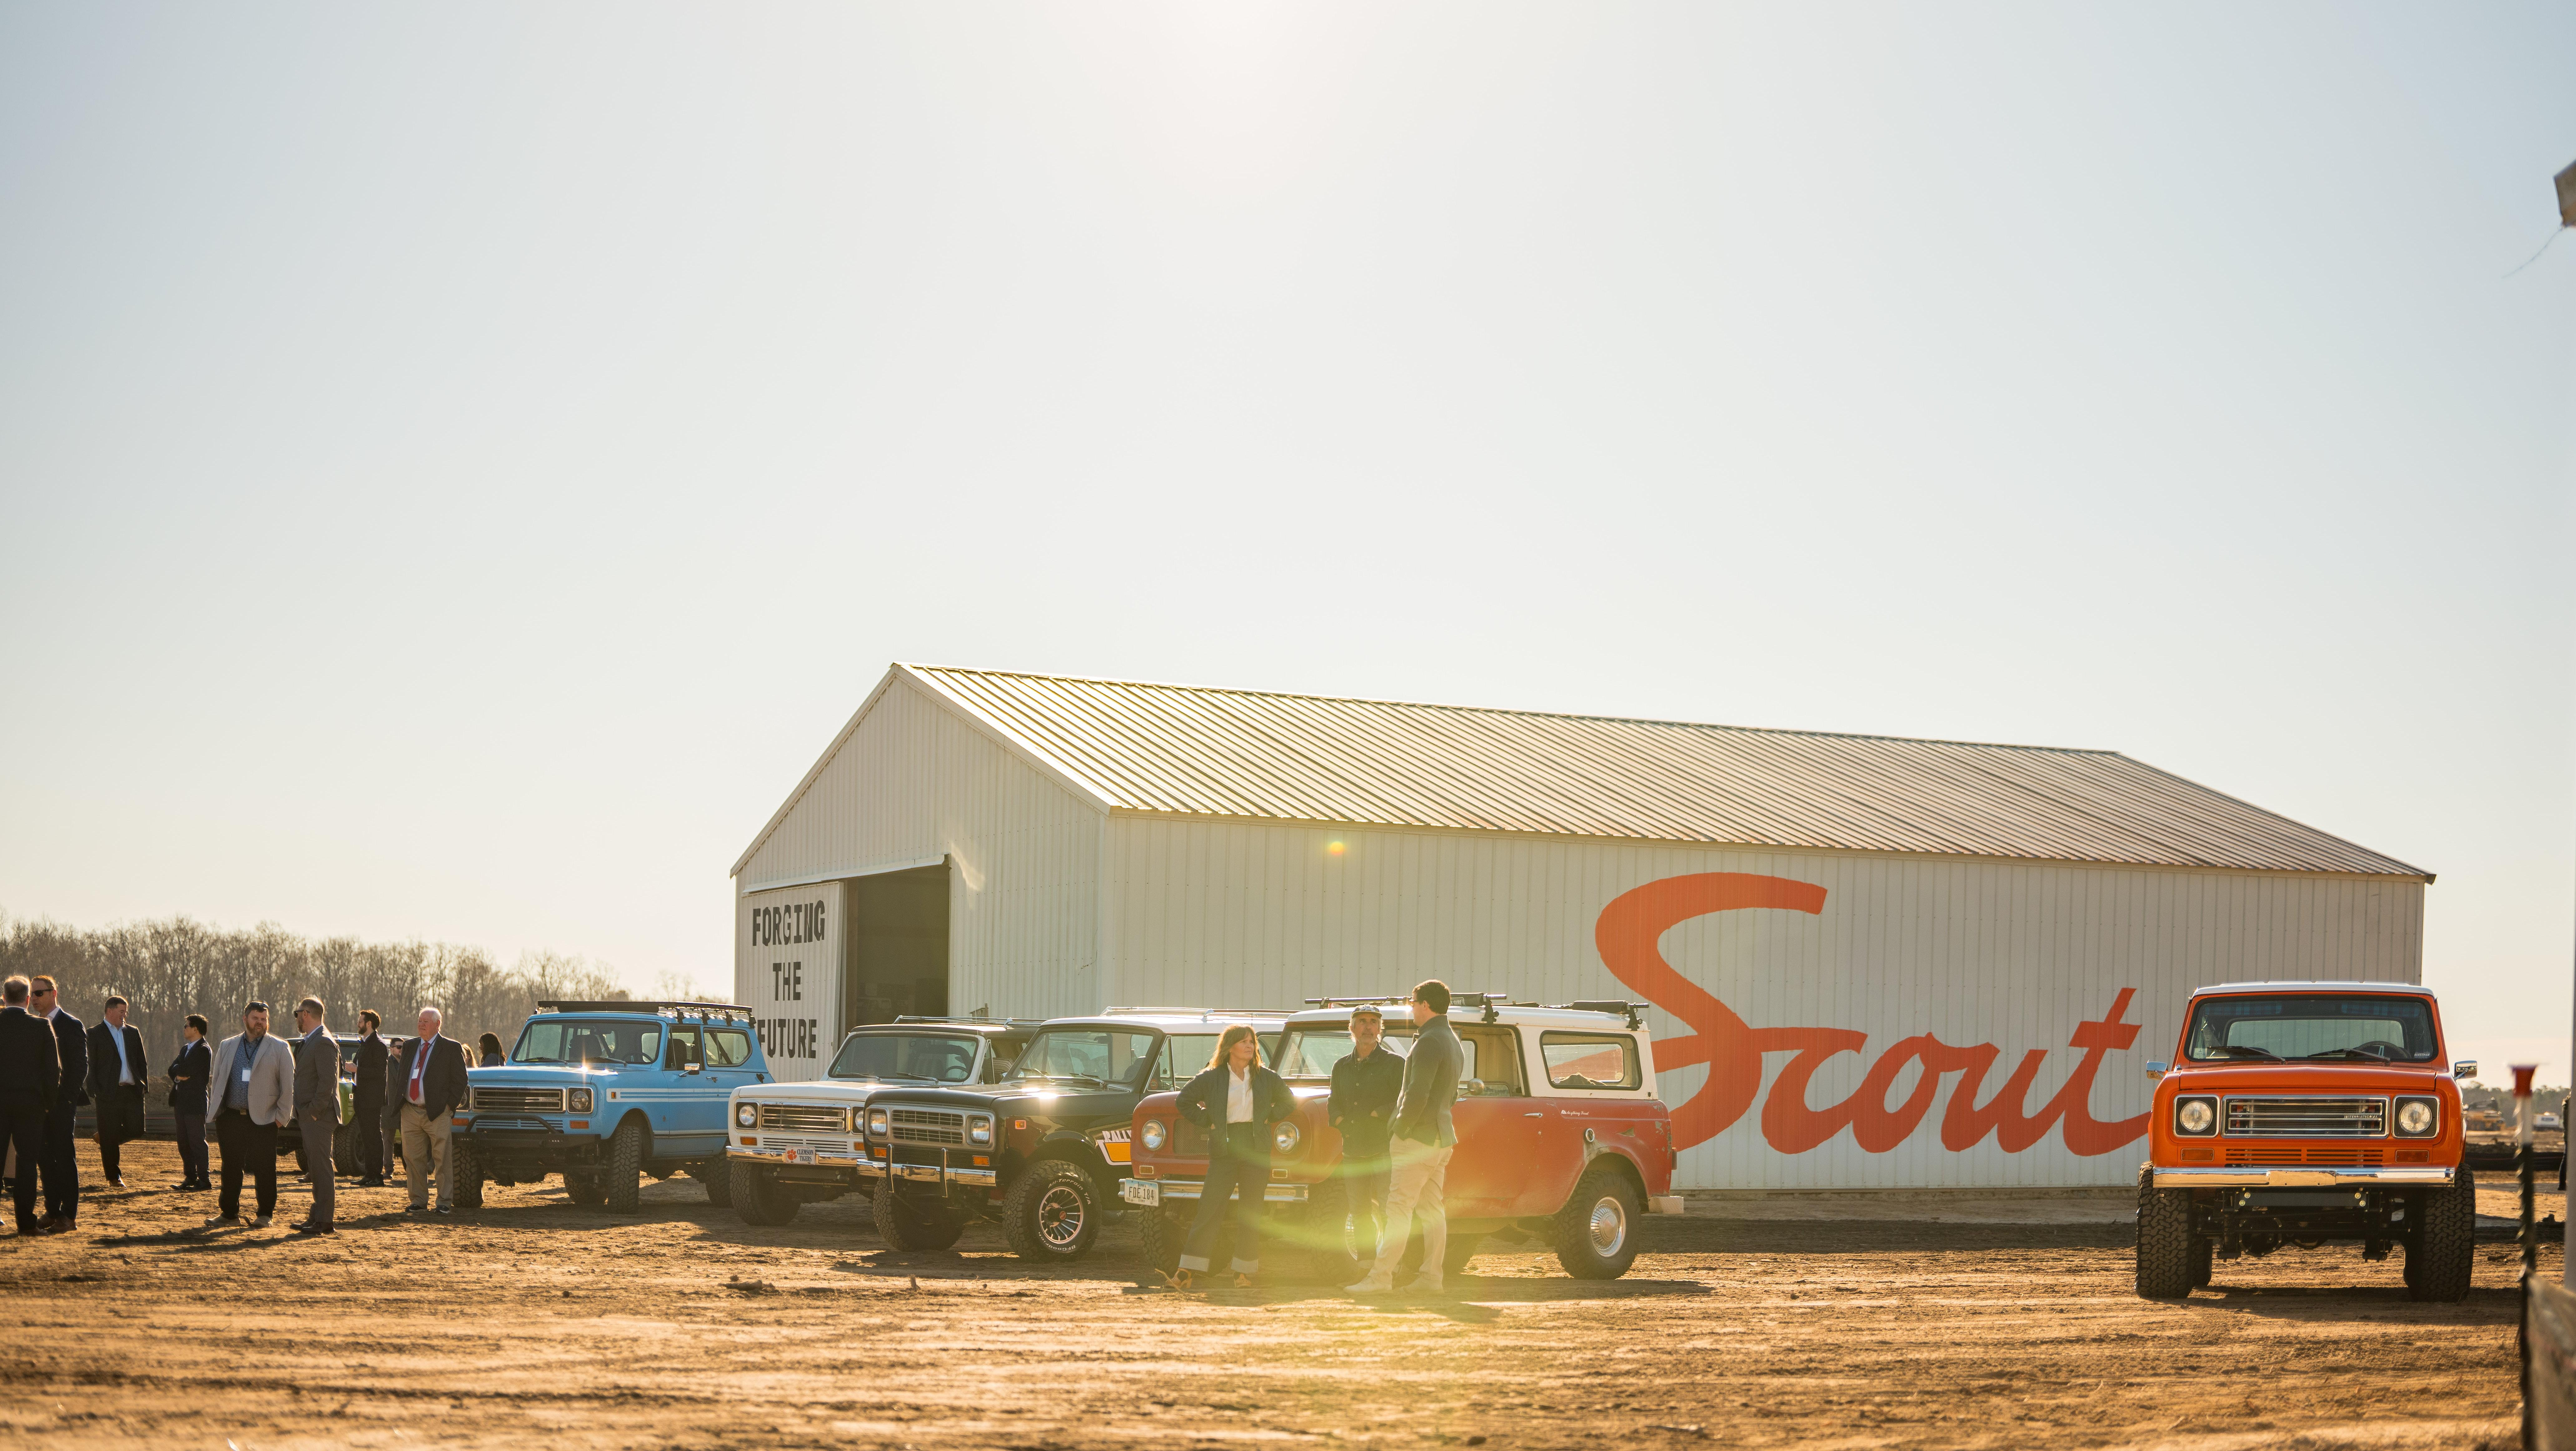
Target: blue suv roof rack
{"type": "Point", "coordinates": [660, 1009]}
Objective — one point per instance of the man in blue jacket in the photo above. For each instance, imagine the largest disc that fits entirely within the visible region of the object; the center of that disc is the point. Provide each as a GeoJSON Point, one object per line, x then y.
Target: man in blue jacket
{"type": "Point", "coordinates": [60, 1164]}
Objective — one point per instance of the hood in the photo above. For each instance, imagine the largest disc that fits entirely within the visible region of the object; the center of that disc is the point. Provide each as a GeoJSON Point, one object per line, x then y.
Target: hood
{"type": "Point", "coordinates": [1027, 1099]}
{"type": "Point", "coordinates": [2328, 1078]}
{"type": "Point", "coordinates": [535, 1075]}
{"type": "Point", "coordinates": [818, 1090]}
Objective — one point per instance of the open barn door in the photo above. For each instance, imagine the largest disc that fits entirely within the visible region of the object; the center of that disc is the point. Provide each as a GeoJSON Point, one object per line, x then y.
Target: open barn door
{"type": "Point", "coordinates": [898, 947]}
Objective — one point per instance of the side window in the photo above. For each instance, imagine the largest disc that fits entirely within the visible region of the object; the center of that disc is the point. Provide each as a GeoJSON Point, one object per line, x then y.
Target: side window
{"type": "Point", "coordinates": [1491, 1065]}
{"type": "Point", "coordinates": [543, 1042]}
{"type": "Point", "coordinates": [728, 1048]}
{"type": "Point", "coordinates": [684, 1048]}
{"type": "Point", "coordinates": [1589, 1060]}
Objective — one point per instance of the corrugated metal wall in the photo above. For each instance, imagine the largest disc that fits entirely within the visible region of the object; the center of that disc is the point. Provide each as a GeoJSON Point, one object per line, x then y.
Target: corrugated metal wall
{"type": "Point", "coordinates": [2015, 955]}
{"type": "Point", "coordinates": [914, 783]}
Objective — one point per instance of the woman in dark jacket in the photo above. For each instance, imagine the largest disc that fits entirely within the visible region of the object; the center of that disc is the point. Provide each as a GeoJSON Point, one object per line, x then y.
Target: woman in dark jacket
{"type": "Point", "coordinates": [493, 1057]}
{"type": "Point", "coordinates": [188, 1074]}
{"type": "Point", "coordinates": [1240, 1104]}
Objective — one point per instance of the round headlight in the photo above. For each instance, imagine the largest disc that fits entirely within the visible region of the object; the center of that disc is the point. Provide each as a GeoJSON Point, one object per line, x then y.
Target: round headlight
{"type": "Point", "coordinates": [1285, 1136]}
{"type": "Point", "coordinates": [877, 1122]}
{"type": "Point", "coordinates": [2194, 1117]}
{"type": "Point", "coordinates": [1153, 1134]}
{"type": "Point", "coordinates": [579, 1100]}
{"type": "Point", "coordinates": [2415, 1116]}
{"type": "Point", "coordinates": [979, 1131]}
{"type": "Point", "coordinates": [746, 1114]}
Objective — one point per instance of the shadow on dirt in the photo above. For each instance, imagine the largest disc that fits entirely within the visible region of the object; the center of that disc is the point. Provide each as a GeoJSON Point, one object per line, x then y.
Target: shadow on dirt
{"type": "Point", "coordinates": [2331, 1304]}
{"type": "Point", "coordinates": [1695, 1235]}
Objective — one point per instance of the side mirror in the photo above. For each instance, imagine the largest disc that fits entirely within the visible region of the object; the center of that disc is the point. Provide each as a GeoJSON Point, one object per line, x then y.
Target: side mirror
{"type": "Point", "coordinates": [2158, 1070]}
{"type": "Point", "coordinates": [689, 1067]}
{"type": "Point", "coordinates": [2465, 1068]}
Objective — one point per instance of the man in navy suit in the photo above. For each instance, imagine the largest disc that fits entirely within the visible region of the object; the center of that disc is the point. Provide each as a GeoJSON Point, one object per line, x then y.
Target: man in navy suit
{"type": "Point", "coordinates": [60, 1165]}
{"type": "Point", "coordinates": [118, 1075]}
{"type": "Point", "coordinates": [30, 1072]}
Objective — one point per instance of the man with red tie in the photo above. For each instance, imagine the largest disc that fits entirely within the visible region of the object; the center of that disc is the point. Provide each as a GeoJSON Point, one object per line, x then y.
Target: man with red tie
{"type": "Point", "coordinates": [431, 1070]}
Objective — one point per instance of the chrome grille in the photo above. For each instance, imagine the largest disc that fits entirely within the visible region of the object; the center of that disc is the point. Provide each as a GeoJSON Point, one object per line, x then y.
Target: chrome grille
{"type": "Point", "coordinates": [2339, 1157]}
{"type": "Point", "coordinates": [518, 1100]}
{"type": "Point", "coordinates": [927, 1126]}
{"type": "Point", "coordinates": [803, 1116]}
{"type": "Point", "coordinates": [2307, 1118]}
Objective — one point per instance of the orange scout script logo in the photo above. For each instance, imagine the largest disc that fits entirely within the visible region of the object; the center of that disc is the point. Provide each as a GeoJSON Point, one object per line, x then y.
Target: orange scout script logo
{"type": "Point", "coordinates": [1627, 935]}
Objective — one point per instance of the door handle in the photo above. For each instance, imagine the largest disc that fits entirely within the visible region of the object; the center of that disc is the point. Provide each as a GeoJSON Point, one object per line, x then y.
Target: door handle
{"type": "Point", "coordinates": [1533, 1115]}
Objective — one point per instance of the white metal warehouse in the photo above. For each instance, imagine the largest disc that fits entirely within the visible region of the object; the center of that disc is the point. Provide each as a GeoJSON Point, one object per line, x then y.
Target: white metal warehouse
{"type": "Point", "coordinates": [1874, 962]}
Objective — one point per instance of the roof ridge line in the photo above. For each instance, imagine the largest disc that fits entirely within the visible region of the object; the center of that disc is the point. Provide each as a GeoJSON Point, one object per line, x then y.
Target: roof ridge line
{"type": "Point", "coordinates": [1514, 710]}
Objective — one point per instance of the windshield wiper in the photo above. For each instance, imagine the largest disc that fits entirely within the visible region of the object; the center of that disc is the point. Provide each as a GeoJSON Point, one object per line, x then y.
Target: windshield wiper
{"type": "Point", "coordinates": [2241, 1050]}
{"type": "Point", "coordinates": [1084, 1077]}
{"type": "Point", "coordinates": [2348, 1053]}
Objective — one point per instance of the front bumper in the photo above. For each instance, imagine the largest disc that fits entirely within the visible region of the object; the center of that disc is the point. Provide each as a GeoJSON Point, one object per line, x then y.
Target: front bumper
{"type": "Point", "coordinates": [766, 1150]}
{"type": "Point", "coordinates": [1153, 1192]}
{"type": "Point", "coordinates": [2256, 1177]}
{"type": "Point", "coordinates": [524, 1144]}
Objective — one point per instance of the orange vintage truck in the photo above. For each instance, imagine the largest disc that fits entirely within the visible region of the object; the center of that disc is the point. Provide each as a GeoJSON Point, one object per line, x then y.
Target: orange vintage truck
{"type": "Point", "coordinates": [2295, 1113]}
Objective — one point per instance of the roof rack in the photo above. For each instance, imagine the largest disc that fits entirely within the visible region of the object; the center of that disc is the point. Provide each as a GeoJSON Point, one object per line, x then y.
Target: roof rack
{"type": "Point", "coordinates": [665, 1009]}
{"type": "Point", "coordinates": [1484, 1003]}
{"type": "Point", "coordinates": [1619, 1007]}
{"type": "Point", "coordinates": [958, 1018]}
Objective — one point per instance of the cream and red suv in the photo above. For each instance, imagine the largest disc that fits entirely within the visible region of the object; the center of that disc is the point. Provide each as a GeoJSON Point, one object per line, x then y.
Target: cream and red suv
{"type": "Point", "coordinates": [2300, 1112]}
{"type": "Point", "coordinates": [1561, 1139]}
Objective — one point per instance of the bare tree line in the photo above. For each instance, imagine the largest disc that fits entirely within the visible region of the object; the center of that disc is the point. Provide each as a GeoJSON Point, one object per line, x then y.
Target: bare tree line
{"type": "Point", "coordinates": [175, 966]}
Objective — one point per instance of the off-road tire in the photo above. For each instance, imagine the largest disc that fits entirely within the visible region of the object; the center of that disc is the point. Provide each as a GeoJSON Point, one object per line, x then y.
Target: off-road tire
{"type": "Point", "coordinates": [626, 1168]}
{"type": "Point", "coordinates": [2446, 1242]}
{"type": "Point", "coordinates": [1052, 1216]}
{"type": "Point", "coordinates": [758, 1196]}
{"type": "Point", "coordinates": [344, 1150]}
{"type": "Point", "coordinates": [1162, 1232]}
{"type": "Point", "coordinates": [1595, 1234]}
{"type": "Point", "coordinates": [907, 1226]}
{"type": "Point", "coordinates": [2204, 1260]}
{"type": "Point", "coordinates": [2164, 1240]}
{"type": "Point", "coordinates": [716, 1177]}
{"type": "Point", "coordinates": [461, 1163]}
{"type": "Point", "coordinates": [584, 1189]}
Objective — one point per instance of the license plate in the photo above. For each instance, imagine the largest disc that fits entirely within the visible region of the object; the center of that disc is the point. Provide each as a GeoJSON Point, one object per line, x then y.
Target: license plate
{"type": "Point", "coordinates": [1137, 1191]}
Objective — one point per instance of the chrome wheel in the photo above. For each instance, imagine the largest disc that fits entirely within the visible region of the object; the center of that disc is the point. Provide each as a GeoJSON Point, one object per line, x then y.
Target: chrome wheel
{"type": "Point", "coordinates": [1060, 1216]}
{"type": "Point", "coordinates": [1609, 1226]}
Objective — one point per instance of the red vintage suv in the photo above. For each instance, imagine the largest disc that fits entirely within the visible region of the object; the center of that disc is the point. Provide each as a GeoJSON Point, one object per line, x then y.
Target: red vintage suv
{"type": "Point", "coordinates": [2300, 1112]}
{"type": "Point", "coordinates": [1560, 1139]}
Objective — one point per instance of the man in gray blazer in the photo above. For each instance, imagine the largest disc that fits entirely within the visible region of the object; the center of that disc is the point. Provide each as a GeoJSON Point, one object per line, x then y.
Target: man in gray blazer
{"type": "Point", "coordinates": [317, 1111]}
{"type": "Point", "coordinates": [1422, 1141]}
{"type": "Point", "coordinates": [252, 1092]}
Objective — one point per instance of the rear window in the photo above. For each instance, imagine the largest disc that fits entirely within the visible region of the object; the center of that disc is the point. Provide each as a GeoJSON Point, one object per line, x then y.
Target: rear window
{"type": "Point", "coordinates": [586, 1040]}
{"type": "Point", "coordinates": [1589, 1060]}
{"type": "Point", "coordinates": [728, 1048]}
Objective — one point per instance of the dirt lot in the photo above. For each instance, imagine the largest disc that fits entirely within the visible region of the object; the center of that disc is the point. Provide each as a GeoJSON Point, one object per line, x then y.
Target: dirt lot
{"type": "Point", "coordinates": [535, 1319]}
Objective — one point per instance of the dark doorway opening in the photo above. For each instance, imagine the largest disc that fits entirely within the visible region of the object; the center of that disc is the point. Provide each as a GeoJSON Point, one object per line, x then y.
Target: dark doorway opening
{"type": "Point", "coordinates": [898, 954]}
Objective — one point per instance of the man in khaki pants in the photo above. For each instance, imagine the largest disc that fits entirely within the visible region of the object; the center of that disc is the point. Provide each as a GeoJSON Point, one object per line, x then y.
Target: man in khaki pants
{"type": "Point", "coordinates": [1423, 1137]}
{"type": "Point", "coordinates": [431, 1071]}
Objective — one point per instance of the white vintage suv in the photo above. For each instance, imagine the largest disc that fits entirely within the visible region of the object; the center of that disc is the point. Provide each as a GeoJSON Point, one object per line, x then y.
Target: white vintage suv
{"type": "Point", "coordinates": [793, 1144]}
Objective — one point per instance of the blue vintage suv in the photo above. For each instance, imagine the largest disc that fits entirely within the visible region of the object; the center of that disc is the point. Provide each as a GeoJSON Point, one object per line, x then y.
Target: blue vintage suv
{"type": "Point", "coordinates": [604, 1093]}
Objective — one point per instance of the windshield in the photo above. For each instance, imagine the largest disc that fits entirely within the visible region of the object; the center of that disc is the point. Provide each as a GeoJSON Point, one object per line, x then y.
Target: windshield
{"type": "Point", "coordinates": [907, 1057]}
{"type": "Point", "coordinates": [2353, 1028]}
{"type": "Point", "coordinates": [587, 1040]}
{"type": "Point", "coordinates": [1102, 1055]}
{"type": "Point", "coordinates": [1312, 1052]}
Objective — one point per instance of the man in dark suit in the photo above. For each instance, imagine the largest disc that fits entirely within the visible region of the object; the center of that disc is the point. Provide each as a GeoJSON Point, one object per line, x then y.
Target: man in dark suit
{"type": "Point", "coordinates": [317, 1112]}
{"type": "Point", "coordinates": [117, 1077]}
{"type": "Point", "coordinates": [431, 1075]}
{"type": "Point", "coordinates": [30, 1074]}
{"type": "Point", "coordinates": [368, 1099]}
{"type": "Point", "coordinates": [60, 1164]}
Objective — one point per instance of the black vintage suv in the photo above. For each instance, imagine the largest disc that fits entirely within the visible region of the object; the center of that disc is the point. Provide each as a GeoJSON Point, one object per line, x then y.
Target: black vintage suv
{"type": "Point", "coordinates": [1043, 1150]}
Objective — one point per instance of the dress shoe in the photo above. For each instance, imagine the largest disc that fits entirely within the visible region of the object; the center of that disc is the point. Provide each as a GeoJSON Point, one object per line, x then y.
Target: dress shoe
{"type": "Point", "coordinates": [184, 1186]}
{"type": "Point", "coordinates": [371, 1183]}
{"type": "Point", "coordinates": [223, 1221]}
{"type": "Point", "coordinates": [306, 1228]}
{"type": "Point", "coordinates": [55, 1226]}
{"type": "Point", "coordinates": [260, 1223]}
{"type": "Point", "coordinates": [115, 1183]}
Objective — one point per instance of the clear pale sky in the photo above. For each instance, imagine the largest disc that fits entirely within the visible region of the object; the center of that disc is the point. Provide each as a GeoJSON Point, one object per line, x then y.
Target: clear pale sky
{"type": "Point", "coordinates": [459, 465]}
